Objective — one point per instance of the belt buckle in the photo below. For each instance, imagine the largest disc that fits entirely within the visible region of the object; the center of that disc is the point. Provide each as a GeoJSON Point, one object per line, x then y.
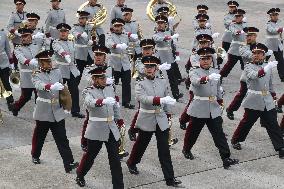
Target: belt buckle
{"type": "Point", "coordinates": [264, 93]}
{"type": "Point", "coordinates": [53, 101]}
{"type": "Point", "coordinates": [109, 119]}
{"type": "Point", "coordinates": [157, 111]}
{"type": "Point", "coordinates": [211, 98]}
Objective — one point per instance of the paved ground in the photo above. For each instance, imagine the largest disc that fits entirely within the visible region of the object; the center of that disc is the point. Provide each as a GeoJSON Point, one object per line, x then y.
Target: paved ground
{"type": "Point", "coordinates": [260, 166]}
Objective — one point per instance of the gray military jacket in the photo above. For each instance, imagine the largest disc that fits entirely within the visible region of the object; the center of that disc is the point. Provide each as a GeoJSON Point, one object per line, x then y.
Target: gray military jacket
{"type": "Point", "coordinates": [273, 40]}
{"type": "Point", "coordinates": [5, 50]}
{"type": "Point", "coordinates": [60, 48]}
{"type": "Point", "coordinates": [238, 39]}
{"type": "Point", "coordinates": [82, 49]}
{"type": "Point", "coordinates": [100, 130]}
{"type": "Point", "coordinates": [227, 36]}
{"type": "Point", "coordinates": [119, 58]}
{"type": "Point", "coordinates": [14, 22]}
{"type": "Point", "coordinates": [47, 106]}
{"type": "Point", "coordinates": [93, 11]}
{"type": "Point", "coordinates": [24, 54]}
{"type": "Point", "coordinates": [198, 31]}
{"type": "Point", "coordinates": [262, 84]}
{"type": "Point", "coordinates": [204, 108]}
{"type": "Point", "coordinates": [164, 48]}
{"type": "Point", "coordinates": [54, 17]}
{"type": "Point", "coordinates": [40, 42]}
{"type": "Point", "coordinates": [246, 53]}
{"type": "Point", "coordinates": [116, 13]}
{"type": "Point", "coordinates": [146, 90]}
{"type": "Point", "coordinates": [132, 27]}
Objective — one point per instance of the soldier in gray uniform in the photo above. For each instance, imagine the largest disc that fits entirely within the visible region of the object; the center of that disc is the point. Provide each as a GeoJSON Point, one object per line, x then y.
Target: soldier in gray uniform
{"type": "Point", "coordinates": [116, 10]}
{"type": "Point", "coordinates": [163, 40]}
{"type": "Point", "coordinates": [28, 64]}
{"type": "Point", "coordinates": [238, 35]}
{"type": "Point", "coordinates": [6, 63]}
{"type": "Point", "coordinates": [152, 94]}
{"type": "Point", "coordinates": [38, 35]}
{"type": "Point", "coordinates": [83, 42]}
{"type": "Point", "coordinates": [228, 20]}
{"type": "Point", "coordinates": [259, 101]}
{"type": "Point", "coordinates": [17, 20]}
{"type": "Point", "coordinates": [206, 108]}
{"type": "Point", "coordinates": [104, 126]}
{"type": "Point", "coordinates": [48, 112]}
{"type": "Point", "coordinates": [55, 16]}
{"type": "Point", "coordinates": [64, 54]}
{"type": "Point", "coordinates": [132, 27]}
{"type": "Point", "coordinates": [201, 9]}
{"type": "Point", "coordinates": [274, 40]}
{"type": "Point", "coordinates": [118, 42]}
{"type": "Point", "coordinates": [93, 8]}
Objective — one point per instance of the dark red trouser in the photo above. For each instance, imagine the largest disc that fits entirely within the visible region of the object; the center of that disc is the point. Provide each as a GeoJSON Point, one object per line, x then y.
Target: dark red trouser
{"type": "Point", "coordinates": [238, 99]}
{"type": "Point", "coordinates": [232, 60]}
{"type": "Point", "coordinates": [26, 95]}
{"type": "Point", "coordinates": [184, 118]}
{"type": "Point", "coordinates": [59, 134]}
{"type": "Point", "coordinates": [216, 130]}
{"type": "Point", "coordinates": [83, 139]}
{"type": "Point", "coordinates": [250, 117]}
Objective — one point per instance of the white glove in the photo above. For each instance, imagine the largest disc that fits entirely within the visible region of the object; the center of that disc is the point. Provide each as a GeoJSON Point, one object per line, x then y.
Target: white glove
{"type": "Point", "coordinates": [165, 66]}
{"type": "Point", "coordinates": [177, 58]}
{"type": "Point", "coordinates": [109, 101]}
{"type": "Point", "coordinates": [215, 35]}
{"type": "Point", "coordinates": [68, 58]}
{"type": "Point", "coordinates": [84, 35]}
{"type": "Point", "coordinates": [244, 19]}
{"type": "Point", "coordinates": [134, 36]}
{"type": "Point", "coordinates": [214, 76]}
{"type": "Point", "coordinates": [122, 46]}
{"type": "Point", "coordinates": [208, 25]}
{"type": "Point", "coordinates": [168, 100]}
{"type": "Point", "coordinates": [39, 35]}
{"type": "Point", "coordinates": [17, 33]}
{"type": "Point", "coordinates": [270, 65]}
{"type": "Point", "coordinates": [175, 36]}
{"type": "Point", "coordinates": [171, 19]}
{"type": "Point", "coordinates": [269, 52]}
{"type": "Point", "coordinates": [57, 86]}
{"type": "Point", "coordinates": [90, 43]}
{"type": "Point", "coordinates": [34, 62]}
{"type": "Point", "coordinates": [109, 81]}
{"type": "Point", "coordinates": [242, 32]}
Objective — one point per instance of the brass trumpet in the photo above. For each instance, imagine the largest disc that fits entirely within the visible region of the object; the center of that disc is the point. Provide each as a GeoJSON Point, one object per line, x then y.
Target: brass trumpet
{"type": "Point", "coordinates": [23, 24]}
{"type": "Point", "coordinates": [14, 79]}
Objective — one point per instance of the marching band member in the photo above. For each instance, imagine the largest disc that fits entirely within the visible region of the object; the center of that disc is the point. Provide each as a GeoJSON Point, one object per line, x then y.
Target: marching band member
{"type": "Point", "coordinates": [118, 42]}
{"type": "Point", "coordinates": [65, 59]}
{"type": "Point", "coordinates": [152, 94]}
{"type": "Point", "coordinates": [103, 127]}
{"type": "Point", "coordinates": [116, 11]}
{"type": "Point", "coordinates": [228, 20]}
{"type": "Point", "coordinates": [48, 113]}
{"type": "Point", "coordinates": [28, 64]}
{"type": "Point", "coordinates": [83, 42]}
{"type": "Point", "coordinates": [55, 16]}
{"type": "Point", "coordinates": [206, 108]}
{"type": "Point", "coordinates": [38, 36]}
{"type": "Point", "coordinates": [259, 101]}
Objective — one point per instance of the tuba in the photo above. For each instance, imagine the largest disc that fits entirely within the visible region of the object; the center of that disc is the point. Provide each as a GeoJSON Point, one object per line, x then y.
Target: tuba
{"type": "Point", "coordinates": [98, 19]}
{"type": "Point", "coordinates": [151, 5]}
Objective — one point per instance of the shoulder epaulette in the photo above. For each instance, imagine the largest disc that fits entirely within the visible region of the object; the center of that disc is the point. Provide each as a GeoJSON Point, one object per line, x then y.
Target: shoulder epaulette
{"type": "Point", "coordinates": [76, 24]}
{"type": "Point", "coordinates": [89, 87]}
{"type": "Point", "coordinates": [37, 71]}
{"type": "Point", "coordinates": [139, 78]}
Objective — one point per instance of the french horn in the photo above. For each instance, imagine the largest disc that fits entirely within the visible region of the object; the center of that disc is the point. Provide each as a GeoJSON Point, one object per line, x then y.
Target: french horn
{"type": "Point", "coordinates": [150, 7]}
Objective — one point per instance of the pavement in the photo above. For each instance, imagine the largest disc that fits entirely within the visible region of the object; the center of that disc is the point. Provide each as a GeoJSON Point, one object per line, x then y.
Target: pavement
{"type": "Point", "coordinates": [259, 168]}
